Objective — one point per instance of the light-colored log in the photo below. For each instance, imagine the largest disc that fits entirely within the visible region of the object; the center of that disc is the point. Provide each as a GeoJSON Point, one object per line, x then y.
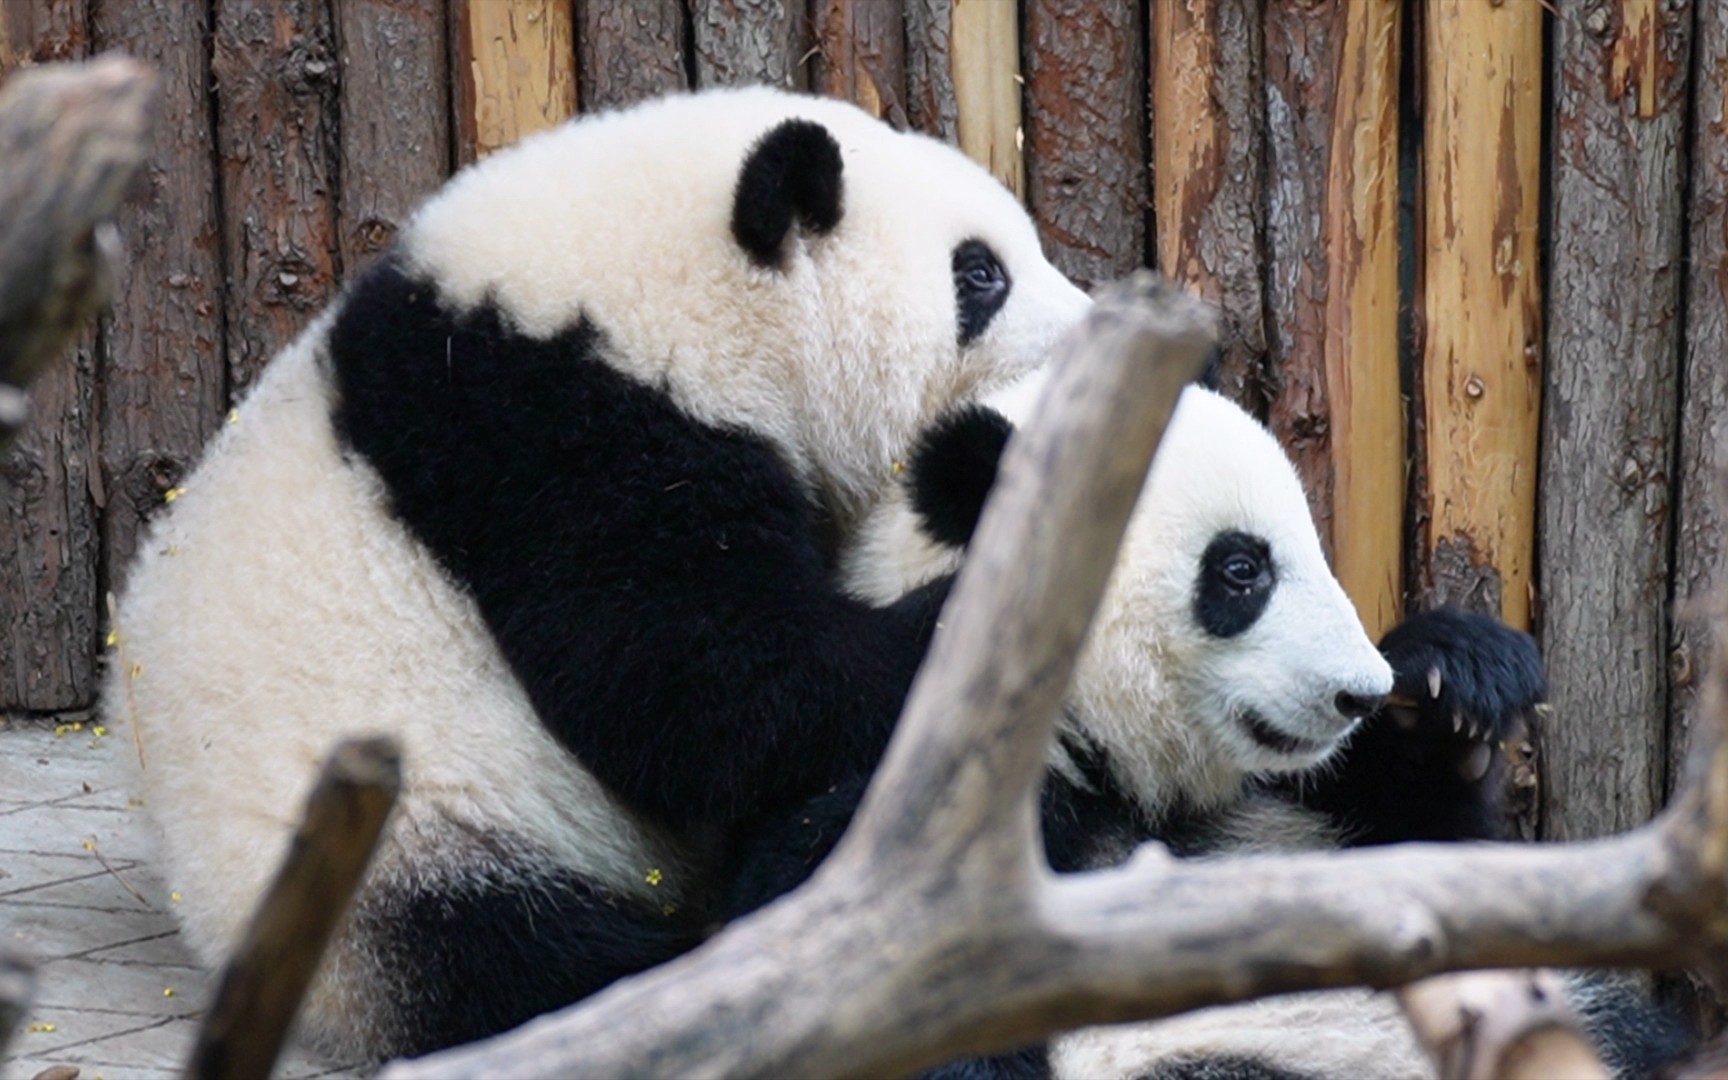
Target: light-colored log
{"type": "Point", "coordinates": [515, 71]}
{"type": "Point", "coordinates": [984, 58]}
{"type": "Point", "coordinates": [1482, 345]}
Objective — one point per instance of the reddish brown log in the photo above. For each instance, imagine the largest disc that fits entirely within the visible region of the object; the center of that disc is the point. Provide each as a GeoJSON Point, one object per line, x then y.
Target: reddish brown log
{"type": "Point", "coordinates": [1086, 166]}
{"type": "Point", "coordinates": [274, 67]}
{"type": "Point", "coordinates": [627, 52]}
{"type": "Point", "coordinates": [930, 103]}
{"type": "Point", "coordinates": [48, 527]}
{"type": "Point", "coordinates": [394, 145]}
{"type": "Point", "coordinates": [1207, 172]}
{"type": "Point", "coordinates": [861, 55]}
{"type": "Point", "coordinates": [1611, 392]}
{"type": "Point", "coordinates": [750, 41]}
{"type": "Point", "coordinates": [163, 386]}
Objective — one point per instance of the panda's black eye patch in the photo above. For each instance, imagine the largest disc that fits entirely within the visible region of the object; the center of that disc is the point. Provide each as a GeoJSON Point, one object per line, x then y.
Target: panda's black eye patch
{"type": "Point", "coordinates": [1235, 583]}
{"type": "Point", "coordinates": [981, 286]}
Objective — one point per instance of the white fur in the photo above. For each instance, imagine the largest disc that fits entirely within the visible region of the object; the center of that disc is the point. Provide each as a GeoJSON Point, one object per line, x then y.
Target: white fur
{"type": "Point", "coordinates": [276, 607]}
{"type": "Point", "coordinates": [1163, 695]}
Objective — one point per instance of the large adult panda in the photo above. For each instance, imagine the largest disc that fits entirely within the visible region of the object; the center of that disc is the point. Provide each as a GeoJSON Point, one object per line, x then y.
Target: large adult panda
{"type": "Point", "coordinates": [551, 494]}
{"type": "Point", "coordinates": [1228, 700]}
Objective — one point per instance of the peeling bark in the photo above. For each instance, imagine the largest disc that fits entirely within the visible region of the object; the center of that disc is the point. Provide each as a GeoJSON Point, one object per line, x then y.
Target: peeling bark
{"type": "Point", "coordinates": [1086, 167]}
{"type": "Point", "coordinates": [1611, 396]}
{"type": "Point", "coordinates": [750, 41]}
{"type": "Point", "coordinates": [1482, 347]}
{"type": "Point", "coordinates": [275, 73]}
{"type": "Point", "coordinates": [628, 52]}
{"type": "Point", "coordinates": [1208, 128]}
{"type": "Point", "coordinates": [48, 528]}
{"type": "Point", "coordinates": [514, 66]}
{"type": "Point", "coordinates": [163, 389]}
{"type": "Point", "coordinates": [394, 145]}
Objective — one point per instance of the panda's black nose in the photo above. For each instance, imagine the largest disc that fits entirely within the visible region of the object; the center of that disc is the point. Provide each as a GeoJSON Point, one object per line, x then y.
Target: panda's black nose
{"type": "Point", "coordinates": [1356, 706]}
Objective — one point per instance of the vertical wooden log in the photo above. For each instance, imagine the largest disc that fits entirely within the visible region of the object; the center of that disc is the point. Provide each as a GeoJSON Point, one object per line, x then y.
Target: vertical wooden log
{"type": "Point", "coordinates": [1610, 399]}
{"type": "Point", "coordinates": [1086, 124]}
{"type": "Point", "coordinates": [515, 71]}
{"type": "Point", "coordinates": [274, 65]}
{"type": "Point", "coordinates": [629, 51]}
{"type": "Point", "coordinates": [394, 143]}
{"type": "Point", "coordinates": [749, 41]}
{"type": "Point", "coordinates": [1482, 350]}
{"type": "Point", "coordinates": [163, 388]}
{"type": "Point", "coordinates": [49, 547]}
{"type": "Point", "coordinates": [861, 55]}
{"type": "Point", "coordinates": [1332, 247]}
{"type": "Point", "coordinates": [1207, 172]}
{"type": "Point", "coordinates": [984, 44]}
{"type": "Point", "coordinates": [930, 104]}
{"type": "Point", "coordinates": [1700, 545]}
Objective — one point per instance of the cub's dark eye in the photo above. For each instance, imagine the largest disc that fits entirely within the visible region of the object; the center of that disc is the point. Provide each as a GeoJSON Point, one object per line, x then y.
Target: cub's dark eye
{"type": "Point", "coordinates": [980, 287]}
{"type": "Point", "coordinates": [1235, 583]}
{"type": "Point", "coordinates": [1241, 572]}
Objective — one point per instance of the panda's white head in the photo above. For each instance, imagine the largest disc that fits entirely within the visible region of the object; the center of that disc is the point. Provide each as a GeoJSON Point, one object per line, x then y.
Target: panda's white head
{"type": "Point", "coordinates": [786, 263]}
{"type": "Point", "coordinates": [1223, 645]}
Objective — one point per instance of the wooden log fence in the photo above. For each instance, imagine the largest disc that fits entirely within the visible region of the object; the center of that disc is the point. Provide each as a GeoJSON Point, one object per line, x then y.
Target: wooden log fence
{"type": "Point", "coordinates": [1497, 400]}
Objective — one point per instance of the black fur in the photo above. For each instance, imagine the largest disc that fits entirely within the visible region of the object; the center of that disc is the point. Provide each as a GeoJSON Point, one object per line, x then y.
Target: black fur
{"type": "Point", "coordinates": [657, 584]}
{"type": "Point", "coordinates": [1394, 782]}
{"type": "Point", "coordinates": [981, 287]}
{"type": "Point", "coordinates": [1234, 584]}
{"type": "Point", "coordinates": [953, 465]}
{"type": "Point", "coordinates": [791, 176]}
{"type": "Point", "coordinates": [487, 953]}
{"type": "Point", "coordinates": [1224, 1068]}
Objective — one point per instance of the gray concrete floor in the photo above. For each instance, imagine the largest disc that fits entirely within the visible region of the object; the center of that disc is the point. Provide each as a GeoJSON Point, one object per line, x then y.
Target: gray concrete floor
{"type": "Point", "coordinates": [117, 995]}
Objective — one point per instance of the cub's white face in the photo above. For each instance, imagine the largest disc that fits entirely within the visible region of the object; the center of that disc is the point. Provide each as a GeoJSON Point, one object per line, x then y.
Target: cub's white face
{"type": "Point", "coordinates": [839, 348]}
{"type": "Point", "coordinates": [1224, 645]}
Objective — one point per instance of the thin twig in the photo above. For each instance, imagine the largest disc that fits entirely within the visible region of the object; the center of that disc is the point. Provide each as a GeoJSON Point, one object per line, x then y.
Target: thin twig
{"type": "Point", "coordinates": [264, 981]}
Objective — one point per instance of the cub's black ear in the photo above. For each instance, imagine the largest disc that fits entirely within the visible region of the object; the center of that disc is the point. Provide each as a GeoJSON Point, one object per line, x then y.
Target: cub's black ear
{"type": "Point", "coordinates": [953, 467]}
{"type": "Point", "coordinates": [791, 175]}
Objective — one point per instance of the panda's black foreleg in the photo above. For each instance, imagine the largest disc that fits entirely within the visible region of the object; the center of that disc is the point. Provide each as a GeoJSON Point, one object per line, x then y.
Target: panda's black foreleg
{"type": "Point", "coordinates": [1428, 765]}
{"type": "Point", "coordinates": [476, 956]}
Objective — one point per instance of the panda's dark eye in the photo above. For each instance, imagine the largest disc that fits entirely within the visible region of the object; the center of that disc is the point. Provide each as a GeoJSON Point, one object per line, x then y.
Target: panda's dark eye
{"type": "Point", "coordinates": [1240, 571]}
{"type": "Point", "coordinates": [1235, 583]}
{"type": "Point", "coordinates": [980, 287]}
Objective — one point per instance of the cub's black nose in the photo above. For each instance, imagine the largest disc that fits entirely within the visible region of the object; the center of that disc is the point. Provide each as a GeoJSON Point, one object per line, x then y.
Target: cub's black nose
{"type": "Point", "coordinates": [1356, 706]}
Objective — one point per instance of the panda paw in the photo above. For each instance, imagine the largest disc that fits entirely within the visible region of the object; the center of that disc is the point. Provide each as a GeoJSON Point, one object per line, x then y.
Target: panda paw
{"type": "Point", "coordinates": [1463, 684]}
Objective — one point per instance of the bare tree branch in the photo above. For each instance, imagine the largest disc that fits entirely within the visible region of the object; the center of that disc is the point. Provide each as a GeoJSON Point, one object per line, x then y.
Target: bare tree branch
{"type": "Point", "coordinates": [263, 983]}
{"type": "Point", "coordinates": [17, 986]}
{"type": "Point", "coordinates": [71, 136]}
{"type": "Point", "coordinates": [934, 931]}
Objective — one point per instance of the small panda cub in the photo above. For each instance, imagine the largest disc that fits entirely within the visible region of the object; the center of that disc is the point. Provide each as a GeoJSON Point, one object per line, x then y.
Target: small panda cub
{"type": "Point", "coordinates": [1227, 700]}
{"type": "Point", "coordinates": [551, 494]}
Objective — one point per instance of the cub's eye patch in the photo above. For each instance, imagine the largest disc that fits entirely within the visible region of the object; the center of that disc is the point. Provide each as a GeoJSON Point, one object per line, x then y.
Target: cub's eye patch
{"type": "Point", "coordinates": [981, 286]}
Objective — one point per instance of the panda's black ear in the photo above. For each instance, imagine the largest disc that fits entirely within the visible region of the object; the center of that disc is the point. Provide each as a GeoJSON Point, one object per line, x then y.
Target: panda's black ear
{"type": "Point", "coordinates": [791, 175]}
{"type": "Point", "coordinates": [952, 469]}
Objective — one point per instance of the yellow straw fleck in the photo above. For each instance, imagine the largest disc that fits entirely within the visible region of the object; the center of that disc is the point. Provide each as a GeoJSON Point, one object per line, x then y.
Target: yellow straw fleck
{"type": "Point", "coordinates": [167, 991]}
{"type": "Point", "coordinates": [42, 1027]}
{"type": "Point", "coordinates": [173, 493]}
{"type": "Point", "coordinates": [113, 638]}
{"type": "Point", "coordinates": [99, 731]}
{"type": "Point", "coordinates": [233, 416]}
{"type": "Point", "coordinates": [174, 896]}
{"type": "Point", "coordinates": [655, 877]}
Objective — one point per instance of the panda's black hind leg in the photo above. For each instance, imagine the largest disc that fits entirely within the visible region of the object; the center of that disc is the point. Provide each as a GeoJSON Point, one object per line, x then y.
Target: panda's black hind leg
{"type": "Point", "coordinates": [476, 956]}
{"type": "Point", "coordinates": [1428, 765]}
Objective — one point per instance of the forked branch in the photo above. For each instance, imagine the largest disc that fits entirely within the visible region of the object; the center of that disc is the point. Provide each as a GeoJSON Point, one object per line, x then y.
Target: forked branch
{"type": "Point", "coordinates": [934, 931]}
{"type": "Point", "coordinates": [71, 136]}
